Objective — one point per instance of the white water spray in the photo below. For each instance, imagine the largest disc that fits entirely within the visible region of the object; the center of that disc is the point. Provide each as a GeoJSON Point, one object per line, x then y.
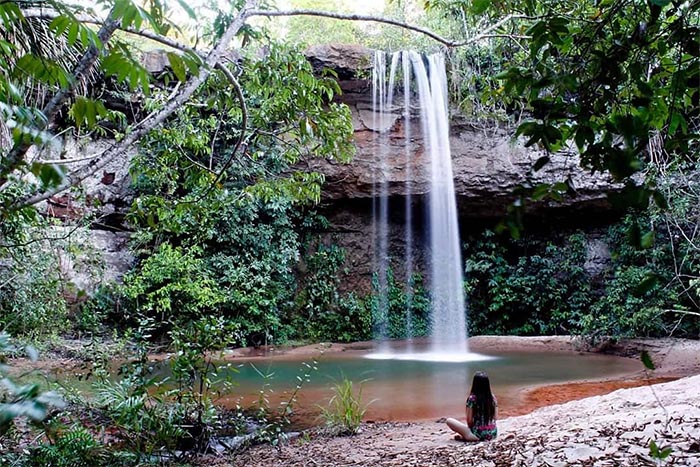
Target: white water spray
{"type": "Point", "coordinates": [408, 209]}
{"type": "Point", "coordinates": [448, 340]}
{"type": "Point", "coordinates": [382, 97]}
{"type": "Point", "coordinates": [449, 329]}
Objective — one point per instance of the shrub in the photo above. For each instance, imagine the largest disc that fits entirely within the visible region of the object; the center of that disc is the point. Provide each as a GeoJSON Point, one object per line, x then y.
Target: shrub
{"type": "Point", "coordinates": [172, 286]}
{"type": "Point", "coordinates": [509, 292]}
{"type": "Point", "coordinates": [345, 410]}
{"type": "Point", "coordinates": [407, 311]}
{"type": "Point", "coordinates": [75, 447]}
{"type": "Point", "coordinates": [322, 312]}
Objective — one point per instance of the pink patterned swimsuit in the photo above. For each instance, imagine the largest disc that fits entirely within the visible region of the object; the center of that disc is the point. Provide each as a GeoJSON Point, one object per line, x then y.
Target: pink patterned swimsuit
{"type": "Point", "coordinates": [485, 430]}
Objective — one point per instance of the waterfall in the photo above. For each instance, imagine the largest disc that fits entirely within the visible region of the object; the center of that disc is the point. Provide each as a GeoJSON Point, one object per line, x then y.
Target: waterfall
{"type": "Point", "coordinates": [408, 209]}
{"type": "Point", "coordinates": [380, 198]}
{"type": "Point", "coordinates": [448, 339]}
{"type": "Point", "coordinates": [448, 321]}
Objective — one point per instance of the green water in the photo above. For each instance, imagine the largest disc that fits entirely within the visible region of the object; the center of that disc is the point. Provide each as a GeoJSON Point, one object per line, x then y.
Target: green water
{"type": "Point", "coordinates": [401, 389]}
{"type": "Point", "coordinates": [413, 390]}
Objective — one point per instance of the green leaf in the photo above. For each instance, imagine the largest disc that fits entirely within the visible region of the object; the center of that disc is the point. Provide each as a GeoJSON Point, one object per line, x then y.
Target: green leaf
{"type": "Point", "coordinates": [480, 6]}
{"type": "Point", "coordinates": [646, 285]}
{"type": "Point", "coordinates": [185, 6]}
{"type": "Point", "coordinates": [647, 240]}
{"type": "Point", "coordinates": [653, 447]}
{"type": "Point", "coordinates": [178, 66]}
{"type": "Point", "coordinates": [49, 174]}
{"type": "Point", "coordinates": [73, 31]}
{"type": "Point", "coordinates": [540, 192]}
{"type": "Point", "coordinates": [648, 364]}
{"type": "Point", "coordinates": [78, 111]}
{"type": "Point", "coordinates": [584, 136]}
{"type": "Point", "coordinates": [90, 113]}
{"type": "Point", "coordinates": [541, 162]}
{"type": "Point", "coordinates": [659, 199]}
{"type": "Point", "coordinates": [677, 123]}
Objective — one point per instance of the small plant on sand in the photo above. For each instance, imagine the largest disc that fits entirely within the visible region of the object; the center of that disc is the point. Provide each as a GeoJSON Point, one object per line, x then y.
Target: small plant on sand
{"type": "Point", "coordinates": [345, 409]}
{"type": "Point", "coordinates": [272, 425]}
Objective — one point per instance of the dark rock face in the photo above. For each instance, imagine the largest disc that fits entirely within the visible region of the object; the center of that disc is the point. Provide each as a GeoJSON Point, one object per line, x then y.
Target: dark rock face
{"type": "Point", "coordinates": [348, 61]}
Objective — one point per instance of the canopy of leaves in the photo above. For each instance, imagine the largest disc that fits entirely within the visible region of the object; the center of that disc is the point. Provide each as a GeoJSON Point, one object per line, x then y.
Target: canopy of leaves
{"type": "Point", "coordinates": [244, 226]}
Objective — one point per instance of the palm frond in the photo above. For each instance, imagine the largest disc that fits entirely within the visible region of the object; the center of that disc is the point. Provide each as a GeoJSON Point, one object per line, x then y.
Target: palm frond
{"type": "Point", "coordinates": [32, 39]}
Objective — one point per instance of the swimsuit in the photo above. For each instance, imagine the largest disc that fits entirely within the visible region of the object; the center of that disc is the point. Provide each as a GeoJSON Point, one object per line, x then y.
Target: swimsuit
{"type": "Point", "coordinates": [483, 429]}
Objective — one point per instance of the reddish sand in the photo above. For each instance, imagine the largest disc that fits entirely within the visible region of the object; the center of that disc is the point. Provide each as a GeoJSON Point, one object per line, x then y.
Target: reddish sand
{"type": "Point", "coordinates": [561, 393]}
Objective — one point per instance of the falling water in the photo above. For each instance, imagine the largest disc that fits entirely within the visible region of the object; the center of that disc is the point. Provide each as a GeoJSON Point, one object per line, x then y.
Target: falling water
{"type": "Point", "coordinates": [408, 213]}
{"type": "Point", "coordinates": [448, 340]}
{"type": "Point", "coordinates": [380, 199]}
{"type": "Point", "coordinates": [449, 330]}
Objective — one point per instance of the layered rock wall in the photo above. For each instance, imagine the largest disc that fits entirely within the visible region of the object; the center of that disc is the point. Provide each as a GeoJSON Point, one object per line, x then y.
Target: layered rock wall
{"type": "Point", "coordinates": [488, 166]}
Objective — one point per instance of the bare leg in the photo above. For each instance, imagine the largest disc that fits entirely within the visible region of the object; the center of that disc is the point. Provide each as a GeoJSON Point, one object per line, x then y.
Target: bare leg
{"type": "Point", "coordinates": [461, 429]}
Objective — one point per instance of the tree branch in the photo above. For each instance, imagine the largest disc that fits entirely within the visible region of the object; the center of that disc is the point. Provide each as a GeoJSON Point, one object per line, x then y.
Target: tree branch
{"type": "Point", "coordinates": [15, 157]}
{"type": "Point", "coordinates": [211, 61]}
{"type": "Point", "coordinates": [164, 40]}
{"type": "Point", "coordinates": [244, 120]}
{"type": "Point", "coordinates": [186, 92]}
{"type": "Point", "coordinates": [379, 19]}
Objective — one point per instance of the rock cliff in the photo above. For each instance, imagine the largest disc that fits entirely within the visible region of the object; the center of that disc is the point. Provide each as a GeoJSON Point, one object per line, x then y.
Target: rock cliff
{"type": "Point", "coordinates": [488, 163]}
{"type": "Point", "coordinates": [488, 166]}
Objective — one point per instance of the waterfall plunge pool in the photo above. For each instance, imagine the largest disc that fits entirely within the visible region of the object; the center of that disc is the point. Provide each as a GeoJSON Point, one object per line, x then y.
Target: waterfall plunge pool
{"type": "Point", "coordinates": [401, 389]}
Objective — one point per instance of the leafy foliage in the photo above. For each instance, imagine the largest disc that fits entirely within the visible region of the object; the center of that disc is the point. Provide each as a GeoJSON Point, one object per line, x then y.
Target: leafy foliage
{"type": "Point", "coordinates": [321, 312]}
{"type": "Point", "coordinates": [33, 290]}
{"type": "Point", "coordinates": [607, 77]}
{"type": "Point", "coordinates": [137, 406]}
{"type": "Point", "coordinates": [644, 284]}
{"type": "Point", "coordinates": [233, 242]}
{"type": "Point", "coordinates": [407, 307]}
{"type": "Point", "coordinates": [21, 400]}
{"type": "Point", "coordinates": [76, 447]}
{"type": "Point", "coordinates": [198, 377]}
{"type": "Point", "coordinates": [172, 286]}
{"type": "Point", "coordinates": [523, 287]}
{"type": "Point", "coordinates": [535, 293]}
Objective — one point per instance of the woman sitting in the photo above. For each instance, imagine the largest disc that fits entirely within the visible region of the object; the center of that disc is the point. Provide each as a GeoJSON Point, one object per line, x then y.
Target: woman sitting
{"type": "Point", "coordinates": [481, 412]}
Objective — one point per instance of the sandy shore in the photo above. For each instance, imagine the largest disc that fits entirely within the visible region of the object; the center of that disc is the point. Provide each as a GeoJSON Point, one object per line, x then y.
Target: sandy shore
{"type": "Point", "coordinates": [602, 428]}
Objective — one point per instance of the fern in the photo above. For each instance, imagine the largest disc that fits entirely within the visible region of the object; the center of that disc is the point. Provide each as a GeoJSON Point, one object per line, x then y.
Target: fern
{"type": "Point", "coordinates": [73, 448]}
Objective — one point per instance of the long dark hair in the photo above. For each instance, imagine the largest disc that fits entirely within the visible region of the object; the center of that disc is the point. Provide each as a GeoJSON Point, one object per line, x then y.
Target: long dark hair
{"type": "Point", "coordinates": [484, 409]}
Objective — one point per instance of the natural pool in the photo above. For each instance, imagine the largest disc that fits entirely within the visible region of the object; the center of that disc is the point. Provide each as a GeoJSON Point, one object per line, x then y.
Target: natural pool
{"type": "Point", "coordinates": [414, 390]}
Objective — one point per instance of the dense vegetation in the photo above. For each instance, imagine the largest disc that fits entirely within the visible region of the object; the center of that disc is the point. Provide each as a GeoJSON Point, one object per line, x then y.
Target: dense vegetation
{"type": "Point", "coordinates": [225, 221]}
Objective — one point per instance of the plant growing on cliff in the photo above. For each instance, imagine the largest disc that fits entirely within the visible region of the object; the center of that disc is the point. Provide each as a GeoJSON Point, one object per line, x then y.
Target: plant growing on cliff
{"type": "Point", "coordinates": [244, 227]}
{"type": "Point", "coordinates": [544, 292]}
{"type": "Point", "coordinates": [322, 312]}
{"type": "Point", "coordinates": [648, 291]}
